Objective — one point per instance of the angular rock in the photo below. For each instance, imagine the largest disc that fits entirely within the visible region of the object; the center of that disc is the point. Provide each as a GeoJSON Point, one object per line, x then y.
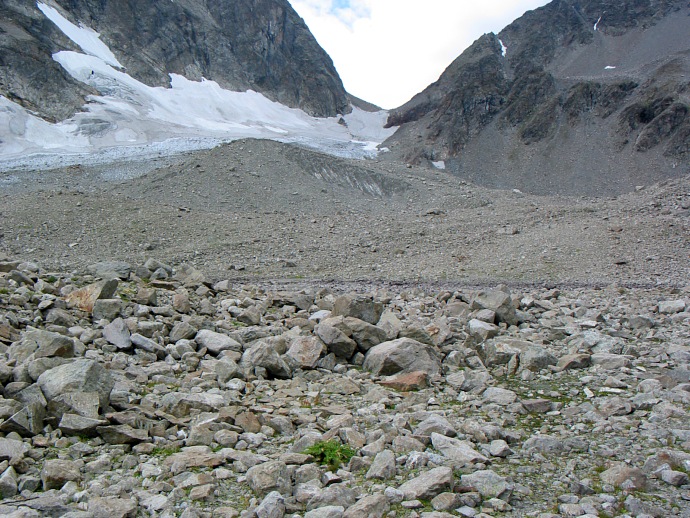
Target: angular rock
{"type": "Point", "coordinates": [269, 476]}
{"type": "Point", "coordinates": [358, 306]}
{"type": "Point", "coordinates": [402, 355]}
{"type": "Point", "coordinates": [8, 483]}
{"type": "Point", "coordinates": [182, 331]}
{"type": "Point", "coordinates": [216, 342]}
{"type": "Point", "coordinates": [469, 381]}
{"type": "Point", "coordinates": [193, 457]}
{"type": "Point", "coordinates": [498, 302]}
{"type": "Point", "coordinates": [462, 452]}
{"type": "Point", "coordinates": [122, 434]}
{"type": "Point", "coordinates": [180, 404]}
{"type": "Point", "coordinates": [481, 330]}
{"type": "Point", "coordinates": [429, 484]}
{"type": "Point", "coordinates": [250, 316]}
{"type": "Point", "coordinates": [82, 375]}
{"type": "Point", "coordinates": [27, 422]}
{"type": "Point", "coordinates": [537, 406]}
{"type": "Point", "coordinates": [536, 358]}
{"type": "Point", "coordinates": [72, 424]}
{"type": "Point", "coordinates": [574, 361]}
{"type": "Point", "coordinates": [365, 334]}
{"type": "Point", "coordinates": [372, 506]}
{"type": "Point", "coordinates": [446, 502]}
{"type": "Point", "coordinates": [499, 395]}
{"type": "Point", "coordinates": [327, 511]}
{"type": "Point", "coordinates": [435, 424]}
{"type": "Point", "coordinates": [406, 382]}
{"type": "Point", "coordinates": [262, 354]}
{"type": "Point", "coordinates": [488, 484]}
{"type": "Point", "coordinates": [106, 309]}
{"type": "Point", "coordinates": [306, 351]}
{"type": "Point", "coordinates": [49, 344]}
{"type": "Point", "coordinates": [383, 466]}
{"type": "Point", "coordinates": [117, 334]}
{"type": "Point", "coordinates": [273, 506]}
{"type": "Point", "coordinates": [338, 342]}
{"type": "Point", "coordinates": [111, 507]}
{"type": "Point", "coordinates": [333, 495]}
{"type": "Point", "coordinates": [12, 449]}
{"type": "Point", "coordinates": [57, 472]}
{"type": "Point", "coordinates": [391, 325]}
{"type": "Point", "coordinates": [86, 297]}
{"type": "Point", "coordinates": [148, 345]}
{"type": "Point", "coordinates": [625, 477]}
{"type": "Point", "coordinates": [81, 403]}
{"type": "Point", "coordinates": [669, 307]}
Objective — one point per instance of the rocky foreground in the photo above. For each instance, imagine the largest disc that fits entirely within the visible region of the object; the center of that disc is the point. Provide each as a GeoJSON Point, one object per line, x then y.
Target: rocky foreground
{"type": "Point", "coordinates": [143, 390]}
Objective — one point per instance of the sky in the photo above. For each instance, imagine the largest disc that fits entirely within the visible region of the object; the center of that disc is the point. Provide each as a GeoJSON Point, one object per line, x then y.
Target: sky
{"type": "Point", "coordinates": [386, 51]}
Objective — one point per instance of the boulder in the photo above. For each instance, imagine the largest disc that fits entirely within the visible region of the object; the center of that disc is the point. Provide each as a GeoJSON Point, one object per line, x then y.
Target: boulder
{"type": "Point", "coordinates": [499, 302]}
{"type": "Point", "coordinates": [82, 375]}
{"type": "Point", "coordinates": [269, 476]}
{"type": "Point", "coordinates": [462, 452]}
{"type": "Point", "coordinates": [57, 472]}
{"type": "Point", "coordinates": [358, 306]}
{"type": "Point", "coordinates": [87, 296]}
{"type": "Point", "coordinates": [402, 355]}
{"type": "Point", "coordinates": [306, 351]}
{"type": "Point", "coordinates": [216, 342]}
{"type": "Point", "coordinates": [429, 484]}
{"type": "Point", "coordinates": [488, 484]}
{"type": "Point", "coordinates": [262, 354]}
{"type": "Point", "coordinates": [338, 342]}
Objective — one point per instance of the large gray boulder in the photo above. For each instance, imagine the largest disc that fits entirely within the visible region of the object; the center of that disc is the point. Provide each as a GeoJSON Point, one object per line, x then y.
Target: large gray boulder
{"type": "Point", "coordinates": [262, 354]}
{"type": "Point", "coordinates": [358, 306]}
{"type": "Point", "coordinates": [402, 355]}
{"type": "Point", "coordinates": [216, 342]}
{"type": "Point", "coordinates": [429, 484]}
{"type": "Point", "coordinates": [78, 376]}
{"type": "Point", "coordinates": [269, 476]}
{"type": "Point", "coordinates": [499, 302]}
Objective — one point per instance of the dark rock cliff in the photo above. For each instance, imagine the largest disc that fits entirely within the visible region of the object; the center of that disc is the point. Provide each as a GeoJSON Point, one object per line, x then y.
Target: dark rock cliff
{"type": "Point", "coordinates": [568, 108]}
{"type": "Point", "coordinates": [241, 44]}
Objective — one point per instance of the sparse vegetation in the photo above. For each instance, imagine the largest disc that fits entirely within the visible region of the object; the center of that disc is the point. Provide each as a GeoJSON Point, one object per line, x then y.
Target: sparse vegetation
{"type": "Point", "coordinates": [331, 453]}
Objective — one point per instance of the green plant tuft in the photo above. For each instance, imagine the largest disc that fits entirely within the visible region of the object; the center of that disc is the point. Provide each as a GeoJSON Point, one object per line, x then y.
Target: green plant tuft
{"type": "Point", "coordinates": [331, 453]}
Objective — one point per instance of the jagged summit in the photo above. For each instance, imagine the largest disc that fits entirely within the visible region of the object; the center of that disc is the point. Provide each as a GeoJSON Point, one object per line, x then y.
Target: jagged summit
{"type": "Point", "coordinates": [261, 45]}
{"type": "Point", "coordinates": [584, 97]}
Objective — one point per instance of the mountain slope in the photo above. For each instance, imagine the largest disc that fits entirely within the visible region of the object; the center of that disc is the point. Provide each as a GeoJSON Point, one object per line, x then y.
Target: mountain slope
{"type": "Point", "coordinates": [261, 45]}
{"type": "Point", "coordinates": [579, 96]}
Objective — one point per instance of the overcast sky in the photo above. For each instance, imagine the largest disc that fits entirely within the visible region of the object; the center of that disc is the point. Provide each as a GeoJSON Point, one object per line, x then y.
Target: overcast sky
{"type": "Point", "coordinates": [386, 51]}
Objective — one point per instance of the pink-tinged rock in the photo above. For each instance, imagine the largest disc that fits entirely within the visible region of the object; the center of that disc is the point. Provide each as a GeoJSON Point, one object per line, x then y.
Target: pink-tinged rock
{"type": "Point", "coordinates": [407, 382]}
{"type": "Point", "coordinates": [87, 296]}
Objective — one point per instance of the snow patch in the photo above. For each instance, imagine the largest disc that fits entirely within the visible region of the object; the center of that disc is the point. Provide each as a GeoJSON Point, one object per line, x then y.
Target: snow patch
{"type": "Point", "coordinates": [439, 165]}
{"type": "Point", "coordinates": [596, 25]}
{"type": "Point", "coordinates": [87, 39]}
{"type": "Point", "coordinates": [504, 49]}
{"type": "Point", "coordinates": [131, 119]}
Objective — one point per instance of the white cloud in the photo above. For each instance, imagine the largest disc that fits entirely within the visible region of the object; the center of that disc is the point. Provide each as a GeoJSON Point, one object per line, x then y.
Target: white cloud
{"type": "Point", "coordinates": [386, 51]}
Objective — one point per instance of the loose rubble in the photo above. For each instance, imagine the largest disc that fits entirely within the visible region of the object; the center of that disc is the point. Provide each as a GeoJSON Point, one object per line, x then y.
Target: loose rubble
{"type": "Point", "coordinates": [146, 390]}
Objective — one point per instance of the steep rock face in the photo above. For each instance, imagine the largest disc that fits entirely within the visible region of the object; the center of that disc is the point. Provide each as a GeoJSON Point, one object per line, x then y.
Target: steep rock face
{"type": "Point", "coordinates": [580, 96]}
{"type": "Point", "coordinates": [28, 74]}
{"type": "Point", "coordinates": [261, 45]}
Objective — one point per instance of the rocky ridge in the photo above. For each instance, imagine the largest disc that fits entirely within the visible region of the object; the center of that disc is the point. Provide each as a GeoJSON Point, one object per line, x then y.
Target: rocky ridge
{"type": "Point", "coordinates": [260, 45]}
{"type": "Point", "coordinates": [146, 390]}
{"type": "Point", "coordinates": [585, 97]}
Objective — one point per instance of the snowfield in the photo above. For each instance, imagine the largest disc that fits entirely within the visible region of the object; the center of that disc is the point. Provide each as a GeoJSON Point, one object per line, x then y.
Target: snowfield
{"type": "Point", "coordinates": [132, 120]}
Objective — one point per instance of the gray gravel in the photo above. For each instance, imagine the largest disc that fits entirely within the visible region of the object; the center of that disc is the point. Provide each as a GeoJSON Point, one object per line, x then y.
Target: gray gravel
{"type": "Point", "coordinates": [265, 210]}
